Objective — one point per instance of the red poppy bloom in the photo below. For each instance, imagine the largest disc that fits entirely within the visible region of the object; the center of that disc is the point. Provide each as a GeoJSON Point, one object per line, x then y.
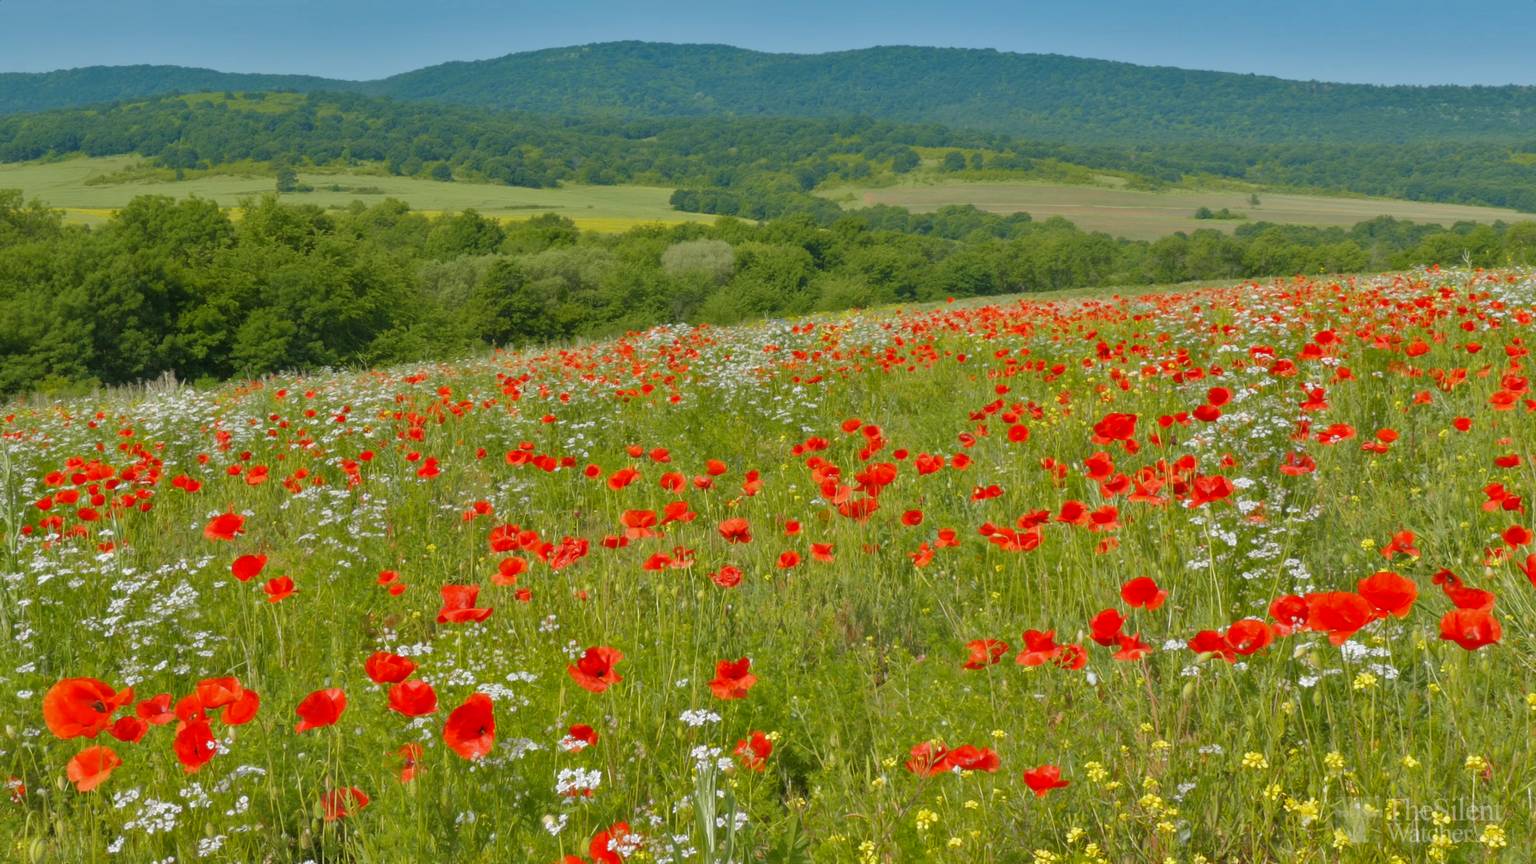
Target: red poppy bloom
{"type": "Point", "coordinates": [754, 751]}
{"type": "Point", "coordinates": [1339, 614]}
{"type": "Point", "coordinates": [82, 707]}
{"type": "Point", "coordinates": [1211, 642]}
{"type": "Point", "coordinates": [246, 567]}
{"type": "Point", "coordinates": [156, 710]}
{"type": "Point", "coordinates": [1249, 636]}
{"type": "Point", "coordinates": [732, 679]}
{"type": "Point", "coordinates": [984, 652]}
{"type": "Point", "coordinates": [968, 758]}
{"type": "Point", "coordinates": [594, 671]}
{"type": "Point", "coordinates": [613, 844]}
{"type": "Point", "coordinates": [1039, 648]}
{"type": "Point", "coordinates": [128, 729]}
{"type": "Point", "coordinates": [1389, 592]}
{"type": "Point", "coordinates": [1143, 593]}
{"type": "Point", "coordinates": [736, 530]}
{"type": "Point", "coordinates": [91, 767]}
{"type": "Point", "coordinates": [1105, 627]}
{"type": "Point", "coordinates": [386, 668]}
{"type": "Point", "coordinates": [225, 526]}
{"type": "Point", "coordinates": [1043, 779]}
{"type": "Point", "coordinates": [471, 727]}
{"type": "Point", "coordinates": [924, 759]}
{"type": "Point", "coordinates": [194, 745]}
{"type": "Point", "coordinates": [413, 698]}
{"type": "Point", "coordinates": [1131, 648]}
{"type": "Point", "coordinates": [726, 577]}
{"type": "Point", "coordinates": [410, 759]}
{"type": "Point", "coordinates": [278, 589]}
{"type": "Point", "coordinates": [459, 605]}
{"type": "Point", "coordinates": [341, 803]}
{"type": "Point", "coordinates": [1470, 628]}
{"type": "Point", "coordinates": [214, 693]}
{"type": "Point", "coordinates": [242, 710]}
{"type": "Point", "coordinates": [320, 709]}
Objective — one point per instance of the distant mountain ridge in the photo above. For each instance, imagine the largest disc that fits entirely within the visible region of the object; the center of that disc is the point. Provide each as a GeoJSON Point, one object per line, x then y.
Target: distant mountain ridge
{"type": "Point", "coordinates": [1043, 96]}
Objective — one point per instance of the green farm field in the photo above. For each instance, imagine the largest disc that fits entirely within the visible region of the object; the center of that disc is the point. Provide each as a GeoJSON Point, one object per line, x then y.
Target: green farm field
{"type": "Point", "coordinates": [1147, 215]}
{"type": "Point", "coordinates": [68, 186]}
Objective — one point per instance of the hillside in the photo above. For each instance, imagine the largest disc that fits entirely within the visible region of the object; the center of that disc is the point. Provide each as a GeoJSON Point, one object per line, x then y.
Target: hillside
{"type": "Point", "coordinates": [1042, 96]}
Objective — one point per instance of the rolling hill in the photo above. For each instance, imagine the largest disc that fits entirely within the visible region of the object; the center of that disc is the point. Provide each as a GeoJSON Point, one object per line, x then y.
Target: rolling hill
{"type": "Point", "coordinates": [1043, 96]}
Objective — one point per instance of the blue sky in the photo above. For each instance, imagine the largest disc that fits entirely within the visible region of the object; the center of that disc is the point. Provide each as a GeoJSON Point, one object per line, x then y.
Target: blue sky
{"type": "Point", "coordinates": [1408, 41]}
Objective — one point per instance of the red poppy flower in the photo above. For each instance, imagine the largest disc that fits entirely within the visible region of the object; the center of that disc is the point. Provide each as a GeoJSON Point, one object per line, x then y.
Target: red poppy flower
{"type": "Point", "coordinates": [386, 668]}
{"type": "Point", "coordinates": [278, 589]}
{"type": "Point", "coordinates": [754, 751]}
{"type": "Point", "coordinates": [985, 652]}
{"type": "Point", "coordinates": [156, 710]}
{"type": "Point", "coordinates": [341, 803]}
{"type": "Point", "coordinates": [732, 679]}
{"type": "Point", "coordinates": [91, 767]}
{"type": "Point", "coordinates": [320, 709]}
{"type": "Point", "coordinates": [924, 759]}
{"type": "Point", "coordinates": [1043, 779]}
{"type": "Point", "coordinates": [1105, 627]}
{"type": "Point", "coordinates": [410, 759]}
{"type": "Point", "coordinates": [413, 698]}
{"type": "Point", "coordinates": [1249, 636]}
{"type": "Point", "coordinates": [128, 729]}
{"type": "Point", "coordinates": [1339, 614]}
{"type": "Point", "coordinates": [246, 567]}
{"type": "Point", "coordinates": [736, 530]}
{"type": "Point", "coordinates": [194, 745]}
{"type": "Point", "coordinates": [242, 710]}
{"type": "Point", "coordinates": [471, 727]}
{"type": "Point", "coordinates": [82, 707]}
{"type": "Point", "coordinates": [459, 605]}
{"type": "Point", "coordinates": [1470, 628]}
{"type": "Point", "coordinates": [594, 671]}
{"type": "Point", "coordinates": [1143, 593]}
{"type": "Point", "coordinates": [613, 844]}
{"type": "Point", "coordinates": [1039, 648]}
{"type": "Point", "coordinates": [214, 693]}
{"type": "Point", "coordinates": [1389, 592]}
{"type": "Point", "coordinates": [578, 737]}
{"type": "Point", "coordinates": [1211, 642]}
{"type": "Point", "coordinates": [726, 577]}
{"type": "Point", "coordinates": [225, 526]}
{"type": "Point", "coordinates": [968, 758]}
{"type": "Point", "coordinates": [1131, 648]}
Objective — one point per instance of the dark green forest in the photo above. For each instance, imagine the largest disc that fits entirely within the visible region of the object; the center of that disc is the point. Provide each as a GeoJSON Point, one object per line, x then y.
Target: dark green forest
{"type": "Point", "coordinates": [1040, 96]}
{"type": "Point", "coordinates": [177, 286]}
{"type": "Point", "coordinates": [752, 167]}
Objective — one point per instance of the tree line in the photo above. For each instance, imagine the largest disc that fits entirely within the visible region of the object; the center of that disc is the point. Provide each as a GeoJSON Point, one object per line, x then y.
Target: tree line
{"type": "Point", "coordinates": [177, 286]}
{"type": "Point", "coordinates": [745, 166]}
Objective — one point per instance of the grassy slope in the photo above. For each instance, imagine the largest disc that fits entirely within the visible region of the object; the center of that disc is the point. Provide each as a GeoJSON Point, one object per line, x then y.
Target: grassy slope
{"type": "Point", "coordinates": [1147, 215]}
{"type": "Point", "coordinates": [601, 208]}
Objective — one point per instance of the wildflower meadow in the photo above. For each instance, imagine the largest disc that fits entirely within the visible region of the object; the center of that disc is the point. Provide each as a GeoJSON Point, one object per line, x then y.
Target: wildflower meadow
{"type": "Point", "coordinates": [1242, 573]}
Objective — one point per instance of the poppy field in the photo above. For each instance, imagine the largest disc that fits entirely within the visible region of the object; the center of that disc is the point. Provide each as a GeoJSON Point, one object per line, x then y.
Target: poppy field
{"type": "Point", "coordinates": [1242, 573]}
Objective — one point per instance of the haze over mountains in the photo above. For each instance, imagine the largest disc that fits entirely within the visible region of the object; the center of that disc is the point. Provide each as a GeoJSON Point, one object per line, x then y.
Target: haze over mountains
{"type": "Point", "coordinates": [1043, 96]}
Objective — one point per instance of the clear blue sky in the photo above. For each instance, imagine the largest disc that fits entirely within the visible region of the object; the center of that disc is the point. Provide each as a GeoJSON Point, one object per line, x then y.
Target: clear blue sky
{"type": "Point", "coordinates": [1377, 41]}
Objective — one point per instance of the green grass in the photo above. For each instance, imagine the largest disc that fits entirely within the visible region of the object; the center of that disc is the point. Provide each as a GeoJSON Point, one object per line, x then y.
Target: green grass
{"type": "Point", "coordinates": [75, 186]}
{"type": "Point", "coordinates": [1395, 745]}
{"type": "Point", "coordinates": [1147, 215]}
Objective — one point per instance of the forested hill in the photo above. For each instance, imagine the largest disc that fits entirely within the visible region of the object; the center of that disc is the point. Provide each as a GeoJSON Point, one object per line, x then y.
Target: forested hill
{"type": "Point", "coordinates": [1040, 96]}
{"type": "Point", "coordinates": [22, 92]}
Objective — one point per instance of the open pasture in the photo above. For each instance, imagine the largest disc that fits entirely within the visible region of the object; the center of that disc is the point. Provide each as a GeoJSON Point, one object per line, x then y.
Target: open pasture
{"type": "Point", "coordinates": [1148, 215]}
{"type": "Point", "coordinates": [67, 185]}
{"type": "Point", "coordinates": [1233, 574]}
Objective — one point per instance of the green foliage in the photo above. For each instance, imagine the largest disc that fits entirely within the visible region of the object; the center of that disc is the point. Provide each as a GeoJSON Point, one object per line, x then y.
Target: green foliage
{"type": "Point", "coordinates": [1037, 95]}
{"type": "Point", "coordinates": [176, 286]}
